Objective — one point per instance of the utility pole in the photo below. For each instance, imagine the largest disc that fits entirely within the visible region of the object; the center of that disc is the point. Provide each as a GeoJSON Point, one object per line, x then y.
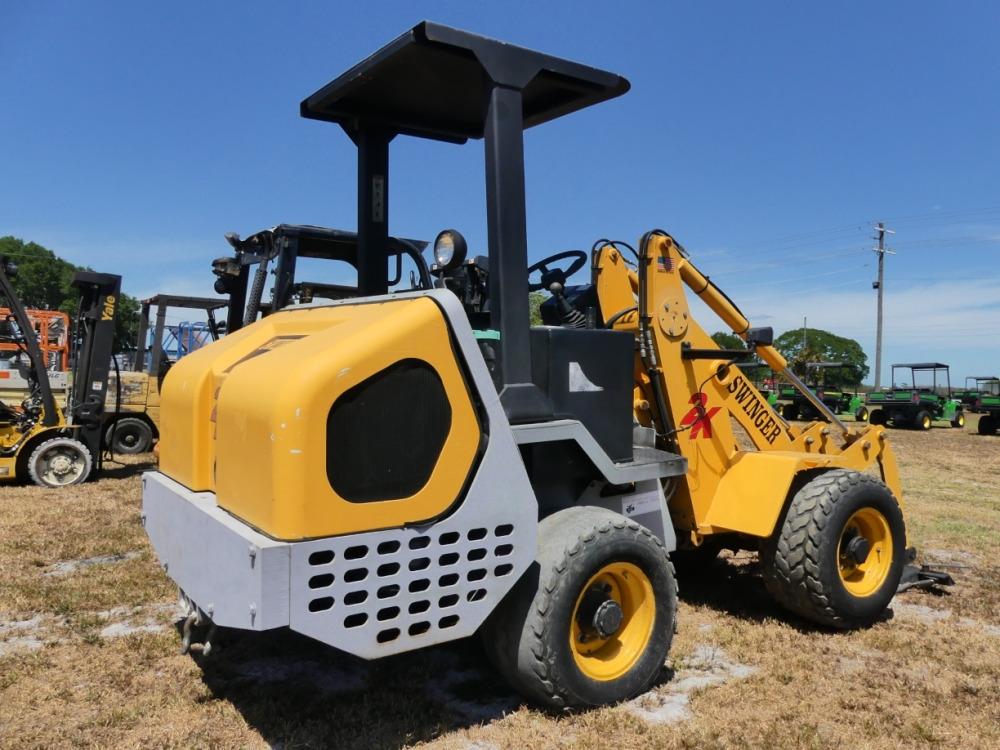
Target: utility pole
{"type": "Point", "coordinates": [881, 250]}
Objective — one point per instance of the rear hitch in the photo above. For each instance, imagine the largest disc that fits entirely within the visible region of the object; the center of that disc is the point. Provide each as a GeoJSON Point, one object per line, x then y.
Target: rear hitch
{"type": "Point", "coordinates": [921, 576]}
{"type": "Point", "coordinates": [194, 618]}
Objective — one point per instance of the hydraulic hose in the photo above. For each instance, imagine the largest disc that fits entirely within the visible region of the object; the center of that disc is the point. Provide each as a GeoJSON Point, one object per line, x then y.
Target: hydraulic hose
{"type": "Point", "coordinates": [647, 353]}
{"type": "Point", "coordinates": [731, 315]}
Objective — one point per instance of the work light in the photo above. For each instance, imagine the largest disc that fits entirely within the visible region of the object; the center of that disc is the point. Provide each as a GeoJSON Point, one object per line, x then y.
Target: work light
{"type": "Point", "coordinates": [449, 249]}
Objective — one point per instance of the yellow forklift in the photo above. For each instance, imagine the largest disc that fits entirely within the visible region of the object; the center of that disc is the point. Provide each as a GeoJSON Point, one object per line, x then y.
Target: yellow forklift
{"type": "Point", "coordinates": [293, 253]}
{"type": "Point", "coordinates": [38, 440]}
{"type": "Point", "coordinates": [426, 465]}
{"type": "Point", "coordinates": [132, 416]}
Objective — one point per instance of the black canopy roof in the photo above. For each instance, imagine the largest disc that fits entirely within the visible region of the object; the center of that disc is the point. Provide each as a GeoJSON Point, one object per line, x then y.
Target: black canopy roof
{"type": "Point", "coordinates": [433, 82]}
{"type": "Point", "coordinates": [180, 300]}
{"type": "Point", "coordinates": [924, 366]}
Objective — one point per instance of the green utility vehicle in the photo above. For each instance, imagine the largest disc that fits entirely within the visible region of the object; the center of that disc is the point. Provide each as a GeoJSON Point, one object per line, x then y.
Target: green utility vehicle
{"type": "Point", "coordinates": [985, 385]}
{"type": "Point", "coordinates": [988, 405]}
{"type": "Point", "coordinates": [917, 406]}
{"type": "Point", "coordinates": [796, 406]}
{"type": "Point", "coordinates": [763, 380]}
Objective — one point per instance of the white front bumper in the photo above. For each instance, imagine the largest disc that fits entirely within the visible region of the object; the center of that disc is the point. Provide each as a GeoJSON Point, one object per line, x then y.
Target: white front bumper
{"type": "Point", "coordinates": [237, 576]}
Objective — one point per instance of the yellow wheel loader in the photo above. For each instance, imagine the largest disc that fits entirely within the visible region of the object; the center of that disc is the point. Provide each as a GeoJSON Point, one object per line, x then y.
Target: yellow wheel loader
{"type": "Point", "coordinates": [426, 465]}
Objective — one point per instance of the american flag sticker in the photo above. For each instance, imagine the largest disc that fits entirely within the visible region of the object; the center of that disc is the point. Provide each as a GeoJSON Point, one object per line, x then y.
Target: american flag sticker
{"type": "Point", "coordinates": [664, 263]}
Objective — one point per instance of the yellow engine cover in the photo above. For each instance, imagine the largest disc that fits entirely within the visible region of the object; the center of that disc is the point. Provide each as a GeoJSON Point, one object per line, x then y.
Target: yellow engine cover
{"type": "Point", "coordinates": [247, 417]}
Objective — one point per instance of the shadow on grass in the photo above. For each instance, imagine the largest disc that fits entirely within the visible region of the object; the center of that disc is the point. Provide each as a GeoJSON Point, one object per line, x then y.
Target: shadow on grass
{"type": "Point", "coordinates": [111, 469]}
{"type": "Point", "coordinates": [727, 585]}
{"type": "Point", "coordinates": [297, 692]}
{"type": "Point", "coordinates": [736, 588]}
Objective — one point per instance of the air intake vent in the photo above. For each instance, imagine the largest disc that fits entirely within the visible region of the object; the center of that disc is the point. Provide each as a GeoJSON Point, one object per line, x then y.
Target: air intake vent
{"type": "Point", "coordinates": [384, 435]}
{"type": "Point", "coordinates": [404, 588]}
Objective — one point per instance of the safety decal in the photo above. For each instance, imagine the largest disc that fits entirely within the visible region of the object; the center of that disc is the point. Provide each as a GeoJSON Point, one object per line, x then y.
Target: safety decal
{"type": "Point", "coordinates": [699, 419]}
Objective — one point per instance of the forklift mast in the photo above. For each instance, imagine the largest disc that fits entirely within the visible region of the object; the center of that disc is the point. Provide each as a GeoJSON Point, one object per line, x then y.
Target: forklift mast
{"type": "Point", "coordinates": [93, 345]}
{"type": "Point", "coordinates": [161, 303]}
{"type": "Point", "coordinates": [283, 245]}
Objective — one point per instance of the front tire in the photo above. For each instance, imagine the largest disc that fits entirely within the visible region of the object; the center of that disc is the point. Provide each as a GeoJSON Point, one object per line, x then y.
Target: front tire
{"type": "Point", "coordinates": [958, 421]}
{"type": "Point", "coordinates": [838, 555]}
{"type": "Point", "coordinates": [592, 620]}
{"type": "Point", "coordinates": [129, 436]}
{"type": "Point", "coordinates": [60, 462]}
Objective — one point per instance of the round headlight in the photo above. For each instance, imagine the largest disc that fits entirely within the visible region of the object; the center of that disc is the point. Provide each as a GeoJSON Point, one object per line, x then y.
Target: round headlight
{"type": "Point", "coordinates": [449, 249]}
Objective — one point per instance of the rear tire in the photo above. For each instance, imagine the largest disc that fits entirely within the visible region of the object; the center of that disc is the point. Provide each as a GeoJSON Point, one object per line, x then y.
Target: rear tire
{"type": "Point", "coordinates": [60, 462]}
{"type": "Point", "coordinates": [129, 436]}
{"type": "Point", "coordinates": [861, 415]}
{"type": "Point", "coordinates": [790, 412]}
{"type": "Point", "coordinates": [543, 637]}
{"type": "Point", "coordinates": [810, 563]}
{"type": "Point", "coordinates": [876, 417]}
{"type": "Point", "coordinates": [987, 425]}
{"type": "Point", "coordinates": [922, 421]}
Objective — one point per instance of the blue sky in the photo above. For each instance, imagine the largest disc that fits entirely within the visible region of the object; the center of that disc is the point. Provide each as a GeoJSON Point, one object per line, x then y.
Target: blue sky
{"type": "Point", "coordinates": [766, 136]}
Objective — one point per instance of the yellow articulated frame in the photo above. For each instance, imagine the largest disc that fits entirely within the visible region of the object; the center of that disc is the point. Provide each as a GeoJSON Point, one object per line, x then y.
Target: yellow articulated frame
{"type": "Point", "coordinates": [257, 406]}
{"type": "Point", "coordinates": [727, 488]}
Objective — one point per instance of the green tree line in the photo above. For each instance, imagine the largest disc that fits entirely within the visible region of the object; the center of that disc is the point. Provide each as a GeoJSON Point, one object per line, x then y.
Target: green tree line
{"type": "Point", "coordinates": [43, 282]}
{"type": "Point", "coordinates": [813, 345]}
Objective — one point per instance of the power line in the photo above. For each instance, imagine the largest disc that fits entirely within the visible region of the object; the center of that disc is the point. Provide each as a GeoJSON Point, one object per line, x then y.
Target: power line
{"type": "Point", "coordinates": [777, 261]}
{"type": "Point", "coordinates": [933, 215]}
{"type": "Point", "coordinates": [770, 281]}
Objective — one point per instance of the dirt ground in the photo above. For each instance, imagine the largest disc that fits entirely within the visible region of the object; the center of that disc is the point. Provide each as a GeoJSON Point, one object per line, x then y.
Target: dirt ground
{"type": "Point", "coordinates": [89, 650]}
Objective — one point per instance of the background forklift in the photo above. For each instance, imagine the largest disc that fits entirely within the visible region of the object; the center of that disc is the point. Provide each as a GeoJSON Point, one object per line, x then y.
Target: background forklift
{"type": "Point", "coordinates": [393, 491]}
{"type": "Point", "coordinates": [132, 413]}
{"type": "Point", "coordinates": [39, 440]}
{"type": "Point", "coordinates": [796, 406]}
{"type": "Point", "coordinates": [279, 251]}
{"type": "Point", "coordinates": [913, 406]}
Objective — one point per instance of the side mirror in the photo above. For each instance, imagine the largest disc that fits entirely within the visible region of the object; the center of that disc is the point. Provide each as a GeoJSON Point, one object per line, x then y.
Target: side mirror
{"type": "Point", "coordinates": [760, 337]}
{"type": "Point", "coordinates": [9, 268]}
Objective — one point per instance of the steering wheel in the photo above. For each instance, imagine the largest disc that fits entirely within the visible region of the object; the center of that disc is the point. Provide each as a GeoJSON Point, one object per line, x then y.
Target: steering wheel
{"type": "Point", "coordinates": [550, 275]}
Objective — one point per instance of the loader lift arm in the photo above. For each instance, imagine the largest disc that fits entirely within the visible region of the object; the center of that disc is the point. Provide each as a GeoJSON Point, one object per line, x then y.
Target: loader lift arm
{"type": "Point", "coordinates": [728, 489]}
{"type": "Point", "coordinates": [689, 395]}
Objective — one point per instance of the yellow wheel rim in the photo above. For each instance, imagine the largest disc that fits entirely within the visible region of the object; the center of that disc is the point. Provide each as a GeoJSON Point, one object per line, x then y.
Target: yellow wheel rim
{"type": "Point", "coordinates": [926, 423]}
{"type": "Point", "coordinates": [608, 657]}
{"type": "Point", "coordinates": [867, 531]}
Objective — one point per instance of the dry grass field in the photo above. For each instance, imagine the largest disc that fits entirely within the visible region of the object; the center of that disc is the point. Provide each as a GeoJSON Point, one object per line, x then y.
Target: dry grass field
{"type": "Point", "coordinates": [89, 652]}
